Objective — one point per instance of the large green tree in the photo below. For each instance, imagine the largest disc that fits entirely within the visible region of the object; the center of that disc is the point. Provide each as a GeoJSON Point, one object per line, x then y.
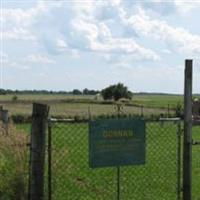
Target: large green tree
{"type": "Point", "coordinates": [116, 92]}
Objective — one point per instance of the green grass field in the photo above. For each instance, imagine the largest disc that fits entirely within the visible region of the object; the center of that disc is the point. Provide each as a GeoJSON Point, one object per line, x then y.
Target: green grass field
{"type": "Point", "coordinates": [157, 179]}
{"type": "Point", "coordinates": [77, 105]}
{"type": "Point", "coordinates": [72, 177]}
{"type": "Point", "coordinates": [158, 101]}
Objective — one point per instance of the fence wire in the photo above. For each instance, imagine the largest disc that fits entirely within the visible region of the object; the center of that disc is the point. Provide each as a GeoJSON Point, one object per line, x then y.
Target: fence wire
{"type": "Point", "coordinates": [14, 160]}
{"type": "Point", "coordinates": [158, 179]}
{"type": "Point", "coordinates": [196, 163]}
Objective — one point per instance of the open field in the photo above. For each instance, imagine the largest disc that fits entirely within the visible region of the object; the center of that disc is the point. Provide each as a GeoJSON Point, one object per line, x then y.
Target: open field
{"type": "Point", "coordinates": [148, 100]}
{"type": "Point", "coordinates": [77, 105]}
{"type": "Point", "coordinates": [158, 101]}
{"type": "Point", "coordinates": [81, 109]}
{"type": "Point", "coordinates": [157, 179]}
{"type": "Point", "coordinates": [72, 177]}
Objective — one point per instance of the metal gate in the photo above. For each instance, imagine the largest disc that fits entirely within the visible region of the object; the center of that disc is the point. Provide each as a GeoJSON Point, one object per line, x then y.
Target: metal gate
{"type": "Point", "coordinates": [70, 177]}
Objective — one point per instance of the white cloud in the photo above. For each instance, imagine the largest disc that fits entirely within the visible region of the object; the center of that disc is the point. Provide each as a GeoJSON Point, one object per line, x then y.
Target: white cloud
{"type": "Point", "coordinates": [98, 38]}
{"type": "Point", "coordinates": [17, 23]}
{"type": "Point", "coordinates": [18, 34]}
{"type": "Point", "coordinates": [61, 44]}
{"type": "Point", "coordinates": [162, 7]}
{"type": "Point", "coordinates": [166, 51]}
{"type": "Point", "coordinates": [187, 6]}
{"type": "Point", "coordinates": [74, 27]}
{"type": "Point", "coordinates": [4, 58]}
{"type": "Point", "coordinates": [176, 38]}
{"type": "Point", "coordinates": [64, 27]}
{"type": "Point", "coordinates": [18, 65]}
{"type": "Point", "coordinates": [37, 58]}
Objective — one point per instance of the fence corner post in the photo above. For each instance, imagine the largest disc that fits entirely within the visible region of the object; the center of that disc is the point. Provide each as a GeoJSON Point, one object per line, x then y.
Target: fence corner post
{"type": "Point", "coordinates": [37, 151]}
{"type": "Point", "coordinates": [187, 151]}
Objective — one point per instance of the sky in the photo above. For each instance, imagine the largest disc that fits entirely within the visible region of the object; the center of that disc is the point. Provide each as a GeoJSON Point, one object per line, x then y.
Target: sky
{"type": "Point", "coordinates": [65, 44]}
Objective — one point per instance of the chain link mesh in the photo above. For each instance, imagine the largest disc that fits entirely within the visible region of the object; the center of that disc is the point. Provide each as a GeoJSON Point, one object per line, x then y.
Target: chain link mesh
{"type": "Point", "coordinates": [196, 164]}
{"type": "Point", "coordinates": [73, 179]}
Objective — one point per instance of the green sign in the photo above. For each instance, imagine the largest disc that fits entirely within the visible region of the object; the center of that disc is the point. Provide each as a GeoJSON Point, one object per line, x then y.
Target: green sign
{"type": "Point", "coordinates": [116, 142]}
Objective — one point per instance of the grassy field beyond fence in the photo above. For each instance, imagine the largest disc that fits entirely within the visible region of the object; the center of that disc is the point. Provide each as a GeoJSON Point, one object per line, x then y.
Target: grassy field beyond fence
{"type": "Point", "coordinates": [78, 105]}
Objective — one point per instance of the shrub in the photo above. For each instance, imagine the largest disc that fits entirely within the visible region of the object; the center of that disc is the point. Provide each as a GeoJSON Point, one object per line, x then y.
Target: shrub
{"type": "Point", "coordinates": [14, 98]}
{"type": "Point", "coordinates": [20, 118]}
{"type": "Point", "coordinates": [116, 92]}
{"type": "Point", "coordinates": [13, 165]}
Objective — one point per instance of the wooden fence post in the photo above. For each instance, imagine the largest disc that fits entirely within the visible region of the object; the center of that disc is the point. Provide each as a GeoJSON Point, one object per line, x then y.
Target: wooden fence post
{"type": "Point", "coordinates": [37, 147]}
{"type": "Point", "coordinates": [187, 152]}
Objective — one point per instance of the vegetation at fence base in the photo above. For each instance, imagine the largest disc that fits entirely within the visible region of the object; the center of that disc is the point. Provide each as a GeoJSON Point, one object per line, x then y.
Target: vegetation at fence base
{"type": "Point", "coordinates": [20, 118]}
{"type": "Point", "coordinates": [13, 164]}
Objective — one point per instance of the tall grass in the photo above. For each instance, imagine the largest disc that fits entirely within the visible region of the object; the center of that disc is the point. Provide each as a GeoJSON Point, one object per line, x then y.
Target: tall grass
{"type": "Point", "coordinates": [13, 163]}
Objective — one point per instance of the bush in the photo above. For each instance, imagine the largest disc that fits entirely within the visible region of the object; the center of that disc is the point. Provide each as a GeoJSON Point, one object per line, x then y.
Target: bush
{"type": "Point", "coordinates": [14, 98]}
{"type": "Point", "coordinates": [116, 92]}
{"type": "Point", "coordinates": [179, 110]}
{"type": "Point", "coordinates": [20, 118]}
{"type": "Point", "coordinates": [13, 165]}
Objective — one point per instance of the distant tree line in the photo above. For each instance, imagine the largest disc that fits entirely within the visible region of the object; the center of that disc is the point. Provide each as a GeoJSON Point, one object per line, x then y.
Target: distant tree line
{"type": "Point", "coordinates": [112, 92]}
{"type": "Point", "coordinates": [85, 92]}
{"type": "Point", "coordinates": [74, 92]}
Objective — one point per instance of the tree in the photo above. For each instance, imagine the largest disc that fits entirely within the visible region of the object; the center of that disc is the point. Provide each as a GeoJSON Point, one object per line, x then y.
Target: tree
{"type": "Point", "coordinates": [15, 98]}
{"type": "Point", "coordinates": [90, 92]}
{"type": "Point", "coordinates": [116, 92]}
{"type": "Point", "coordinates": [85, 91]}
{"type": "Point", "coordinates": [76, 92]}
{"type": "Point", "coordinates": [2, 92]}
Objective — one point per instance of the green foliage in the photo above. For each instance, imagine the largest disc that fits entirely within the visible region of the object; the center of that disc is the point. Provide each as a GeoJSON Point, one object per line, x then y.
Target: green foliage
{"type": "Point", "coordinates": [179, 110]}
{"type": "Point", "coordinates": [3, 92]}
{"type": "Point", "coordinates": [116, 92]}
{"type": "Point", "coordinates": [15, 98]}
{"type": "Point", "coordinates": [13, 165]}
{"type": "Point", "coordinates": [90, 92]}
{"type": "Point", "coordinates": [20, 118]}
{"type": "Point", "coordinates": [76, 92]}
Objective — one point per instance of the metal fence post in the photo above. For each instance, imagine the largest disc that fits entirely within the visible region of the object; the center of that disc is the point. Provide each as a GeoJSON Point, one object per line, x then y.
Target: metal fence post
{"type": "Point", "coordinates": [179, 133]}
{"type": "Point", "coordinates": [187, 152]}
{"type": "Point", "coordinates": [36, 179]}
{"type": "Point", "coordinates": [119, 107]}
{"type": "Point", "coordinates": [49, 160]}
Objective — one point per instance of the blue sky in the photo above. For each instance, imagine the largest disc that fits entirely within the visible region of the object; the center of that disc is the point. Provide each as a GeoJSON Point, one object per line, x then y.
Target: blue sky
{"type": "Point", "coordinates": [62, 45]}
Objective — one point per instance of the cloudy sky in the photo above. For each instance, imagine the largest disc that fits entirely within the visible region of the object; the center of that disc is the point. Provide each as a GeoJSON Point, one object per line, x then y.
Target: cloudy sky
{"type": "Point", "coordinates": [67, 44]}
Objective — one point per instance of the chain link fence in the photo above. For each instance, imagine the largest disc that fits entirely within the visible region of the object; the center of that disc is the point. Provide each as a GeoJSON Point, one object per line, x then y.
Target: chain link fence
{"type": "Point", "coordinates": [72, 178]}
{"type": "Point", "coordinates": [67, 171]}
{"type": "Point", "coordinates": [196, 163]}
{"type": "Point", "coordinates": [14, 162]}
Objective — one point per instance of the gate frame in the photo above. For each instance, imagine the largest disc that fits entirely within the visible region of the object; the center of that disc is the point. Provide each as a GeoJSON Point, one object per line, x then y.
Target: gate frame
{"type": "Point", "coordinates": [179, 131]}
